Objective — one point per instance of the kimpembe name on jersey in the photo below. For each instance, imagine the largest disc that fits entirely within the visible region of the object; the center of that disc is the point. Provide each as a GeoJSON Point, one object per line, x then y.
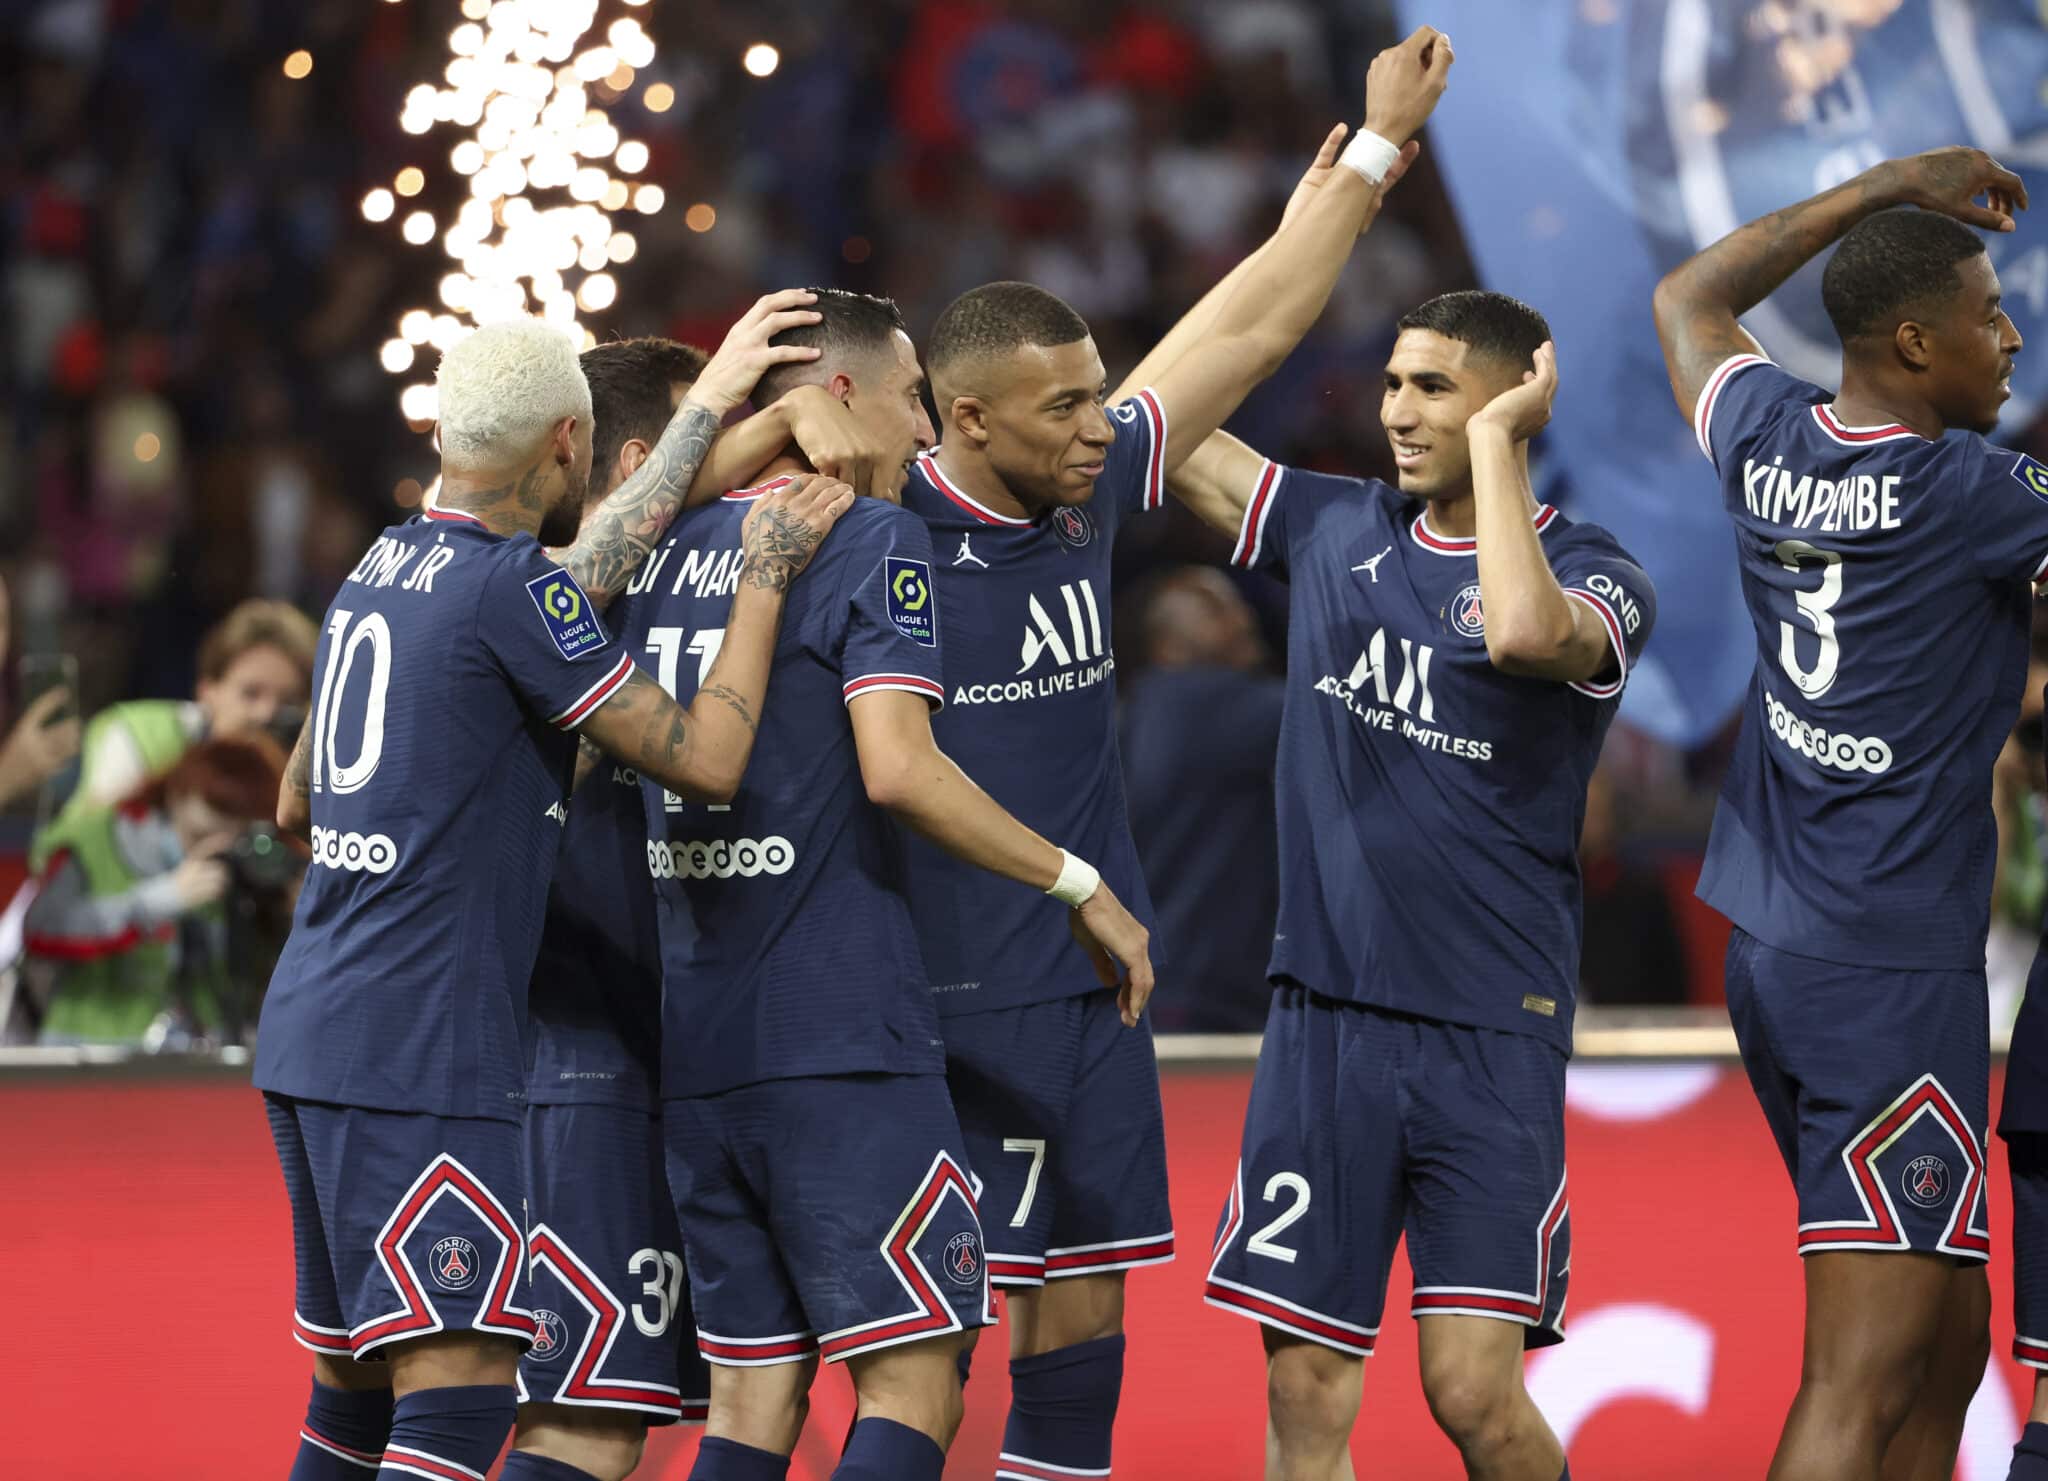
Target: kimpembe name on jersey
{"type": "Point", "coordinates": [1781, 495]}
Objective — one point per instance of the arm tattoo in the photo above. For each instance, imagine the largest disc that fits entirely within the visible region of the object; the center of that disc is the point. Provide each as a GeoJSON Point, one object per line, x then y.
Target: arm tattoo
{"type": "Point", "coordinates": [633, 517]}
{"type": "Point", "coordinates": [298, 771]}
{"type": "Point", "coordinates": [778, 546]}
{"type": "Point", "coordinates": [738, 705]}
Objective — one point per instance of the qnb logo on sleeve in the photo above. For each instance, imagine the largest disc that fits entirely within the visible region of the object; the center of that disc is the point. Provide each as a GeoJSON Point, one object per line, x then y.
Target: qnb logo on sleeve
{"type": "Point", "coordinates": [723, 858]}
{"type": "Point", "coordinates": [372, 853]}
{"type": "Point", "coordinates": [571, 620]}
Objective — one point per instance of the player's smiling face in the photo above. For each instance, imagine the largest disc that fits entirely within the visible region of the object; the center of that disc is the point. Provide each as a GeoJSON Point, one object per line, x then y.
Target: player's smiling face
{"type": "Point", "coordinates": [888, 402]}
{"type": "Point", "coordinates": [1048, 434]}
{"type": "Point", "coordinates": [1972, 345]}
{"type": "Point", "coordinates": [1434, 385]}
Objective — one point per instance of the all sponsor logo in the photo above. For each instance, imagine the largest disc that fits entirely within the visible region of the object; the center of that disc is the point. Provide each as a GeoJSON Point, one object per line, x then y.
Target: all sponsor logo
{"type": "Point", "coordinates": [1926, 1181]}
{"type": "Point", "coordinates": [455, 1263]}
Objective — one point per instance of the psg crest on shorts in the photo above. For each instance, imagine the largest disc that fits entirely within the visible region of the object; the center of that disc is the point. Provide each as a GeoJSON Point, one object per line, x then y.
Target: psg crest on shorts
{"type": "Point", "coordinates": [550, 1336]}
{"type": "Point", "coordinates": [455, 1263]}
{"type": "Point", "coordinates": [1926, 1181]}
{"type": "Point", "coordinates": [1073, 526]}
{"type": "Point", "coordinates": [1466, 615]}
{"type": "Point", "coordinates": [963, 1258]}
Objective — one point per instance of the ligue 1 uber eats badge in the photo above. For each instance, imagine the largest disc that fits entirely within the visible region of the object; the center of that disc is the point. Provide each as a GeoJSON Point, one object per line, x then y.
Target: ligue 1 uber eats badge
{"type": "Point", "coordinates": [911, 607]}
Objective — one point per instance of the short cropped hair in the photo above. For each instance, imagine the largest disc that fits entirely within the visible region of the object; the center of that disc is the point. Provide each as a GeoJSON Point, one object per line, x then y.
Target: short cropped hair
{"type": "Point", "coordinates": [504, 386]}
{"type": "Point", "coordinates": [996, 320]}
{"type": "Point", "coordinates": [855, 326]}
{"type": "Point", "coordinates": [632, 388]}
{"type": "Point", "coordinates": [259, 623]}
{"type": "Point", "coordinates": [1893, 261]}
{"type": "Point", "coordinates": [1490, 324]}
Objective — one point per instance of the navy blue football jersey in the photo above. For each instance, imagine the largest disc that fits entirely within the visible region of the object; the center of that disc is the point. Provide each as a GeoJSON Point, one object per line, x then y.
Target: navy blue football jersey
{"type": "Point", "coordinates": [1887, 577]}
{"type": "Point", "coordinates": [1031, 716]}
{"type": "Point", "coordinates": [786, 945]}
{"type": "Point", "coordinates": [453, 665]}
{"type": "Point", "coordinates": [595, 1003]}
{"type": "Point", "coordinates": [1429, 804]}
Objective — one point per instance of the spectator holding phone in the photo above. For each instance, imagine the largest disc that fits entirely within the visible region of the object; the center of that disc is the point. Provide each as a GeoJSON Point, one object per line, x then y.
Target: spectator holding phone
{"type": "Point", "coordinates": [103, 929]}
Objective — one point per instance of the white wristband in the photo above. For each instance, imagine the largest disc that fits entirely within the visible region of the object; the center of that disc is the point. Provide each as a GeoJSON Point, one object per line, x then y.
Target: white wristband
{"type": "Point", "coordinates": [1077, 882]}
{"type": "Point", "coordinates": [1370, 155]}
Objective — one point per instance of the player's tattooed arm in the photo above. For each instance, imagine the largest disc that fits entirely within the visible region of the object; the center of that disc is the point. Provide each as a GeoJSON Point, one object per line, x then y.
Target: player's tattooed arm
{"type": "Point", "coordinates": [295, 792]}
{"type": "Point", "coordinates": [1699, 301]}
{"type": "Point", "coordinates": [589, 756]}
{"type": "Point", "coordinates": [1532, 628]}
{"type": "Point", "coordinates": [618, 534]}
{"type": "Point", "coordinates": [701, 751]}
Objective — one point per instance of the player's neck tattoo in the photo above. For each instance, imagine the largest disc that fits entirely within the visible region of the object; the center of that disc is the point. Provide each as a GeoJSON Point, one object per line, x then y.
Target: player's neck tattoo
{"type": "Point", "coordinates": [507, 506]}
{"type": "Point", "coordinates": [617, 536]}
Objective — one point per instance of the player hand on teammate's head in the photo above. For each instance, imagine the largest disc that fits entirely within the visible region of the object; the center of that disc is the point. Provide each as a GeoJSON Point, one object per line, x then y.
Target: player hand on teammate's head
{"type": "Point", "coordinates": [785, 527]}
{"type": "Point", "coordinates": [1523, 411]}
{"type": "Point", "coordinates": [746, 355]}
{"type": "Point", "coordinates": [1950, 180]}
{"type": "Point", "coordinates": [1118, 946]}
{"type": "Point", "coordinates": [1404, 82]}
{"type": "Point", "coordinates": [836, 443]}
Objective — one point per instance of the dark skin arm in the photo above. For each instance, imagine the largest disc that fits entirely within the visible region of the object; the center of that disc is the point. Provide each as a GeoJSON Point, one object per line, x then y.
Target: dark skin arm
{"type": "Point", "coordinates": [1698, 302]}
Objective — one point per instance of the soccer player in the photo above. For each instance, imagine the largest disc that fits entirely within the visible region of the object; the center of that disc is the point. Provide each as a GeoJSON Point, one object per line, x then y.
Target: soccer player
{"type": "Point", "coordinates": [616, 1349]}
{"type": "Point", "coordinates": [456, 663]}
{"type": "Point", "coordinates": [820, 1177]}
{"type": "Point", "coordinates": [1054, 1080]}
{"type": "Point", "coordinates": [1885, 563]}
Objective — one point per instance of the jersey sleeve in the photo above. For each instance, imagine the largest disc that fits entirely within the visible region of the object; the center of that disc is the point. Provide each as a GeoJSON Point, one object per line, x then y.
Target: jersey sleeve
{"type": "Point", "coordinates": [892, 613]}
{"type": "Point", "coordinates": [2004, 520]}
{"type": "Point", "coordinates": [1603, 578]}
{"type": "Point", "coordinates": [1740, 394]}
{"type": "Point", "coordinates": [549, 640]}
{"type": "Point", "coordinates": [1282, 512]}
{"type": "Point", "coordinates": [1134, 474]}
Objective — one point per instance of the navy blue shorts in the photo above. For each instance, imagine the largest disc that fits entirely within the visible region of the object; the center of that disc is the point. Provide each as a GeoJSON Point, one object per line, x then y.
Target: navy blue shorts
{"type": "Point", "coordinates": [830, 1215]}
{"type": "Point", "coordinates": [609, 1292]}
{"type": "Point", "coordinates": [2028, 1160]}
{"type": "Point", "coordinates": [1877, 1085]}
{"type": "Point", "coordinates": [1364, 1124]}
{"type": "Point", "coordinates": [1060, 1106]}
{"type": "Point", "coordinates": [403, 1225]}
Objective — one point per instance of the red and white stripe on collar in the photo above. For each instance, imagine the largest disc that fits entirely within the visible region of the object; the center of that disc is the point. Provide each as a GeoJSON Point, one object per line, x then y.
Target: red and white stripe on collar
{"type": "Point", "coordinates": [929, 462]}
{"type": "Point", "coordinates": [1437, 544]}
{"type": "Point", "coordinates": [1860, 436]}
{"type": "Point", "coordinates": [742, 496]}
{"type": "Point", "coordinates": [455, 516]}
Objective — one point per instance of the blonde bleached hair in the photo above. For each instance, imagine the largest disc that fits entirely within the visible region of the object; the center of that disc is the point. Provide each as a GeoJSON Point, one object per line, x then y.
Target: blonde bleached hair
{"type": "Point", "coordinates": [504, 387]}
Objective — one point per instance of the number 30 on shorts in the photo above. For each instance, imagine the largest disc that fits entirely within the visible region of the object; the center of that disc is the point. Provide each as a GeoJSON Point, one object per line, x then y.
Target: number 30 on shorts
{"type": "Point", "coordinates": [1264, 1242]}
{"type": "Point", "coordinates": [663, 1285]}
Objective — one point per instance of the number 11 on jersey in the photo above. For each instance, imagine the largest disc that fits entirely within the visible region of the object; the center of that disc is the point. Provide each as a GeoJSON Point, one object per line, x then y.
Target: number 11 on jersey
{"type": "Point", "coordinates": [667, 645]}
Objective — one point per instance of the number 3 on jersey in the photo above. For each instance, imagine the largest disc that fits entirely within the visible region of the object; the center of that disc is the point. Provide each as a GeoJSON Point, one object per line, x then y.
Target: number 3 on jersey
{"type": "Point", "coordinates": [1817, 609]}
{"type": "Point", "coordinates": [330, 773]}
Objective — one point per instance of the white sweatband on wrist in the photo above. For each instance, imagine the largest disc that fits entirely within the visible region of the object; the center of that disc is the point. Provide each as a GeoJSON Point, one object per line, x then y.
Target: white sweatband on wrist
{"type": "Point", "coordinates": [1370, 155]}
{"type": "Point", "coordinates": [1077, 882]}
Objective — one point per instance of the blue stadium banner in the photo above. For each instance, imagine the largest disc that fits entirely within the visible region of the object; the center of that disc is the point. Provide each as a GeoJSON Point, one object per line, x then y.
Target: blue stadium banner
{"type": "Point", "coordinates": [1591, 145]}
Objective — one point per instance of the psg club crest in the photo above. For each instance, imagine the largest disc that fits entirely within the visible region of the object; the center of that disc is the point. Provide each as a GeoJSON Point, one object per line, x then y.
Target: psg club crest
{"type": "Point", "coordinates": [1467, 616]}
{"type": "Point", "coordinates": [1926, 1181]}
{"type": "Point", "coordinates": [550, 1337]}
{"type": "Point", "coordinates": [1073, 526]}
{"type": "Point", "coordinates": [455, 1263]}
{"type": "Point", "coordinates": [963, 1258]}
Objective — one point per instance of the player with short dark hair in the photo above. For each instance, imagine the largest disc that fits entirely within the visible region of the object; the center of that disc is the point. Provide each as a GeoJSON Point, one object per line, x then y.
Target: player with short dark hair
{"type": "Point", "coordinates": [456, 662]}
{"type": "Point", "coordinates": [820, 1178]}
{"type": "Point", "coordinates": [1456, 652]}
{"type": "Point", "coordinates": [1886, 550]}
{"type": "Point", "coordinates": [1055, 1080]}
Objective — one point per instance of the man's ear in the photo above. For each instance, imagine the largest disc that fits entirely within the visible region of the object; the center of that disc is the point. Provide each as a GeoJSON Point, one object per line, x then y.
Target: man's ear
{"type": "Point", "coordinates": [631, 456]}
{"type": "Point", "coordinates": [1912, 342]}
{"type": "Point", "coordinates": [969, 417]}
{"type": "Point", "coordinates": [840, 387]}
{"type": "Point", "coordinates": [565, 442]}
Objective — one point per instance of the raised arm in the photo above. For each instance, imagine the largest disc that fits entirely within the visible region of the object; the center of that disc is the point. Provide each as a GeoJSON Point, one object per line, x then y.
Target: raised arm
{"type": "Point", "coordinates": [1284, 286]}
{"type": "Point", "coordinates": [1532, 627]}
{"type": "Point", "coordinates": [1698, 302]}
{"type": "Point", "coordinates": [814, 421]}
{"type": "Point", "coordinates": [1218, 480]}
{"type": "Point", "coordinates": [617, 535]}
{"type": "Point", "coordinates": [908, 775]}
{"type": "Point", "coordinates": [701, 752]}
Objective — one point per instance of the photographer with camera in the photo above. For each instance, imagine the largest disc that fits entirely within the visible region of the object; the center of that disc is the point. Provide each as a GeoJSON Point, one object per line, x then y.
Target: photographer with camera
{"type": "Point", "coordinates": [128, 936]}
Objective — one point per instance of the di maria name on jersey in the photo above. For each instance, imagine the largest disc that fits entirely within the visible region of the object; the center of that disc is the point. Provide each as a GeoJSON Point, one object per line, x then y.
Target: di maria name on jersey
{"type": "Point", "coordinates": [786, 946]}
{"type": "Point", "coordinates": [1429, 804]}
{"type": "Point", "coordinates": [1887, 578]}
{"type": "Point", "coordinates": [1031, 680]}
{"type": "Point", "coordinates": [453, 666]}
